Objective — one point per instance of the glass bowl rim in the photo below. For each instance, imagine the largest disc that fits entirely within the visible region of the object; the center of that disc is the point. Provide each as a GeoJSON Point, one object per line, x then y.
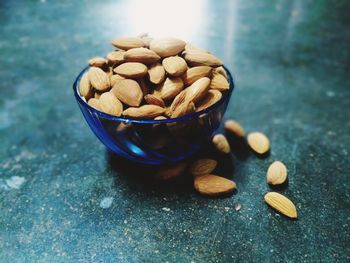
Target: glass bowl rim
{"type": "Point", "coordinates": [147, 121]}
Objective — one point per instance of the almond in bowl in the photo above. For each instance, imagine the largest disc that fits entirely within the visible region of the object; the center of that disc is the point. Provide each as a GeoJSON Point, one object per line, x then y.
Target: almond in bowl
{"type": "Point", "coordinates": [173, 74]}
{"type": "Point", "coordinates": [154, 100]}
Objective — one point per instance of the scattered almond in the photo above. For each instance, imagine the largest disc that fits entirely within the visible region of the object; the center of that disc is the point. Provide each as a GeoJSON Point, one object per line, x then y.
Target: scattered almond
{"type": "Point", "coordinates": [167, 47]}
{"type": "Point", "coordinates": [142, 55]}
{"type": "Point", "coordinates": [110, 104]}
{"type": "Point", "coordinates": [128, 91]}
{"type": "Point", "coordinates": [219, 82]}
{"type": "Point", "coordinates": [235, 128]}
{"type": "Point", "coordinates": [281, 203]}
{"type": "Point", "coordinates": [131, 70]}
{"type": "Point", "coordinates": [210, 99]}
{"type": "Point", "coordinates": [99, 79]}
{"type": "Point", "coordinates": [258, 142]}
{"type": "Point", "coordinates": [156, 73]}
{"type": "Point", "coordinates": [195, 73]}
{"type": "Point", "coordinates": [174, 66]}
{"type": "Point", "coordinates": [144, 112]}
{"type": "Point", "coordinates": [154, 100]}
{"type": "Point", "coordinates": [221, 144]}
{"type": "Point", "coordinates": [203, 166]}
{"type": "Point", "coordinates": [126, 43]}
{"type": "Point", "coordinates": [276, 173]}
{"type": "Point", "coordinates": [213, 185]}
{"type": "Point", "coordinates": [198, 58]}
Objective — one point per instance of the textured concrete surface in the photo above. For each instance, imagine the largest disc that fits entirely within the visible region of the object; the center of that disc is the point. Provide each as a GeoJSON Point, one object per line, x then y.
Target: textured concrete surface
{"type": "Point", "coordinates": [63, 198]}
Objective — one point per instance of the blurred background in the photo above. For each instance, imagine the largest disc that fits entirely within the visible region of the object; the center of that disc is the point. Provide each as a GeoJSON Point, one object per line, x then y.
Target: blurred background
{"type": "Point", "coordinates": [63, 197]}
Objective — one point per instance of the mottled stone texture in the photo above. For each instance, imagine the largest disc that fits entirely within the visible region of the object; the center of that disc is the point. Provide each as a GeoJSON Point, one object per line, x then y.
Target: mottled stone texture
{"type": "Point", "coordinates": [63, 198]}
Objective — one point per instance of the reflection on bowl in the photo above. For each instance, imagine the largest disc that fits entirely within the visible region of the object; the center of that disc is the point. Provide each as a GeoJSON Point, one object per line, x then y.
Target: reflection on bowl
{"type": "Point", "coordinates": [154, 141]}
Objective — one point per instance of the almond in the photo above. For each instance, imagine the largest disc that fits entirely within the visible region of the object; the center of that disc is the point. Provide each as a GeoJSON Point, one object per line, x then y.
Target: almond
{"type": "Point", "coordinates": [221, 70]}
{"type": "Point", "coordinates": [183, 109]}
{"type": "Point", "coordinates": [170, 172]}
{"type": "Point", "coordinates": [116, 57]}
{"type": "Point", "coordinates": [174, 66]}
{"type": "Point", "coordinates": [190, 47]}
{"type": "Point", "coordinates": [213, 185]}
{"type": "Point", "coordinates": [154, 100]}
{"type": "Point", "coordinates": [97, 62]}
{"type": "Point", "coordinates": [198, 58]}
{"type": "Point", "coordinates": [85, 89]}
{"type": "Point", "coordinates": [219, 82]}
{"type": "Point", "coordinates": [198, 90]}
{"type": "Point", "coordinates": [170, 88]}
{"type": "Point", "coordinates": [235, 128]}
{"type": "Point", "coordinates": [221, 144]}
{"type": "Point", "coordinates": [97, 95]}
{"type": "Point", "coordinates": [145, 111]}
{"type": "Point", "coordinates": [141, 54]}
{"type": "Point", "coordinates": [160, 118]}
{"type": "Point", "coordinates": [168, 112]}
{"type": "Point", "coordinates": [281, 203]}
{"type": "Point", "coordinates": [95, 103]}
{"type": "Point", "coordinates": [128, 91]}
{"type": "Point", "coordinates": [131, 70]}
{"type": "Point", "coordinates": [167, 47]}
{"type": "Point", "coordinates": [126, 43]}
{"type": "Point", "coordinates": [203, 166]}
{"type": "Point", "coordinates": [276, 173]}
{"type": "Point", "coordinates": [195, 73]}
{"type": "Point", "coordinates": [146, 39]}
{"type": "Point", "coordinates": [258, 142]}
{"type": "Point", "coordinates": [210, 99]}
{"type": "Point", "coordinates": [110, 104]}
{"type": "Point", "coordinates": [180, 98]}
{"type": "Point", "coordinates": [114, 78]}
{"type": "Point", "coordinates": [98, 79]}
{"type": "Point", "coordinates": [156, 73]}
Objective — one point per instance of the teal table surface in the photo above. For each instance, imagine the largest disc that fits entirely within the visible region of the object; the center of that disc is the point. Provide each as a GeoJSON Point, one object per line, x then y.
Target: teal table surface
{"type": "Point", "coordinates": [64, 198]}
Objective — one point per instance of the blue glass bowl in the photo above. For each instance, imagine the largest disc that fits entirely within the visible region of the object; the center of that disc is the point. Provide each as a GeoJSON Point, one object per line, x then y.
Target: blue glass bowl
{"type": "Point", "coordinates": [155, 141]}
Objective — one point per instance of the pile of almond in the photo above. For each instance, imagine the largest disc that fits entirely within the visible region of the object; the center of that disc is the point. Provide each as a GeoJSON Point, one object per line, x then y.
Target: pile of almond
{"type": "Point", "coordinates": [147, 78]}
